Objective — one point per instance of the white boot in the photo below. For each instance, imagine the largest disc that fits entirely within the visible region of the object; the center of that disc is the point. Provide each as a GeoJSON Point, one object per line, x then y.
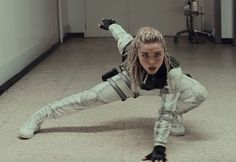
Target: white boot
{"type": "Point", "coordinates": [177, 128]}
{"type": "Point", "coordinates": [34, 122]}
{"type": "Point", "coordinates": [57, 109]}
{"type": "Point", "coordinates": [101, 94]}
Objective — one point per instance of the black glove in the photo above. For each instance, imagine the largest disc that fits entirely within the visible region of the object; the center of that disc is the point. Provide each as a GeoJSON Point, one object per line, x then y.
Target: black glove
{"type": "Point", "coordinates": [106, 23]}
{"type": "Point", "coordinates": [158, 154]}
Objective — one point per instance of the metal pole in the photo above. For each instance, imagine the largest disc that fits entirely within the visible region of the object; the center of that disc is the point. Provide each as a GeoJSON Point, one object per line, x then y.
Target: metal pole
{"type": "Point", "coordinates": [234, 21]}
{"type": "Point", "coordinates": [60, 21]}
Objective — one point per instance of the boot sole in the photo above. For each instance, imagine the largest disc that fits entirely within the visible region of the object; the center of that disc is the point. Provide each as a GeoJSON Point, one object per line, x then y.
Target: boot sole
{"type": "Point", "coordinates": [177, 134]}
{"type": "Point", "coordinates": [21, 136]}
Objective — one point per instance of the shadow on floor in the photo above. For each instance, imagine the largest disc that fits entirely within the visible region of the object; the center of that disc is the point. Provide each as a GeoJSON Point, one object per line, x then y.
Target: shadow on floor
{"type": "Point", "coordinates": [131, 123]}
{"type": "Point", "coordinates": [145, 126]}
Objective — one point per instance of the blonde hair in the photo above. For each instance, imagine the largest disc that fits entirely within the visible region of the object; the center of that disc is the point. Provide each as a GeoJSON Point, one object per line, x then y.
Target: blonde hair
{"type": "Point", "coordinates": [135, 70]}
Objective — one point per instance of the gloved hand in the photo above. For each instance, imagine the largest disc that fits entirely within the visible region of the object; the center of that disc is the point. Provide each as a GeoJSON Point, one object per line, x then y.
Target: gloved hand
{"type": "Point", "coordinates": [157, 155]}
{"type": "Point", "coordinates": [106, 23]}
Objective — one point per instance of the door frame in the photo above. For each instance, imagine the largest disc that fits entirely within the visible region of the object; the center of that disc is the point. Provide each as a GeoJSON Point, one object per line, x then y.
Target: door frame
{"type": "Point", "coordinates": [234, 22]}
{"type": "Point", "coordinates": [217, 21]}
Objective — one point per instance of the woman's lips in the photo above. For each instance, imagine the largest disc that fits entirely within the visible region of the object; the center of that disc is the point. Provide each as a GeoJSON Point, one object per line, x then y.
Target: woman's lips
{"type": "Point", "coordinates": [152, 68]}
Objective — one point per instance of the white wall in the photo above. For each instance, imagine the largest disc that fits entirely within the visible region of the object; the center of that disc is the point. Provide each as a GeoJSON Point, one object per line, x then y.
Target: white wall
{"type": "Point", "coordinates": [226, 18]}
{"type": "Point", "coordinates": [164, 15]}
{"type": "Point", "coordinates": [116, 9]}
{"type": "Point", "coordinates": [28, 28]}
{"type": "Point", "coordinates": [209, 15]}
{"type": "Point", "coordinates": [72, 16]}
{"type": "Point", "coordinates": [64, 16]}
{"type": "Point", "coordinates": [76, 15]}
{"type": "Point", "coordinates": [133, 14]}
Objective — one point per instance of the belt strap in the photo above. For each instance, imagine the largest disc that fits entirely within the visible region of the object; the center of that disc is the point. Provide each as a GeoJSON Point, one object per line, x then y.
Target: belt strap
{"type": "Point", "coordinates": [117, 89]}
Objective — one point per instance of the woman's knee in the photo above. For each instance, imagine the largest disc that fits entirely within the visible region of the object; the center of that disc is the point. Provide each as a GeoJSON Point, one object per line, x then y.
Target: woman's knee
{"type": "Point", "coordinates": [193, 91]}
{"type": "Point", "coordinates": [191, 98]}
{"type": "Point", "coordinates": [200, 92]}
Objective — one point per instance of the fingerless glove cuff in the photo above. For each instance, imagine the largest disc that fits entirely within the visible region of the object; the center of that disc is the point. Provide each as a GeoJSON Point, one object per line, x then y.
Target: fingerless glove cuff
{"type": "Point", "coordinates": [159, 149]}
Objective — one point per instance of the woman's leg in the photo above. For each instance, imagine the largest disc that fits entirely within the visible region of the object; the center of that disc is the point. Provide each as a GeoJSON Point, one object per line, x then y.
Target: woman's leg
{"type": "Point", "coordinates": [102, 93]}
{"type": "Point", "coordinates": [191, 96]}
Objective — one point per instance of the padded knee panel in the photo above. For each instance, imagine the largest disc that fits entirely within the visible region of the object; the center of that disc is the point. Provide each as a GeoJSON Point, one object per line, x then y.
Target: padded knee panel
{"type": "Point", "coordinates": [191, 98]}
{"type": "Point", "coordinates": [195, 94]}
{"type": "Point", "coordinates": [200, 92]}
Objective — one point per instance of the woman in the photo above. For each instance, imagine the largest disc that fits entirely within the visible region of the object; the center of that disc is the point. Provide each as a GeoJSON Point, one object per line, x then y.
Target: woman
{"type": "Point", "coordinates": [146, 68]}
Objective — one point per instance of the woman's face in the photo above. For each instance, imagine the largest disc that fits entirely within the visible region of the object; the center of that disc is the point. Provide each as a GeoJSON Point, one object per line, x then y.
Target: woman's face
{"type": "Point", "coordinates": [151, 56]}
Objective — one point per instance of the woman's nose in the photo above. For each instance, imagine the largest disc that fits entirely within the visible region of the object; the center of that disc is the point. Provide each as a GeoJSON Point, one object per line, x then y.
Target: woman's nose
{"type": "Point", "coordinates": [151, 60]}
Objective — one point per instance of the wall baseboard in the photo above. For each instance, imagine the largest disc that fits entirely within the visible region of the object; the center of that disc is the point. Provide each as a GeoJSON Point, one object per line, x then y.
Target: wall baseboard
{"type": "Point", "coordinates": [22, 73]}
{"type": "Point", "coordinates": [227, 40]}
{"type": "Point", "coordinates": [73, 35]}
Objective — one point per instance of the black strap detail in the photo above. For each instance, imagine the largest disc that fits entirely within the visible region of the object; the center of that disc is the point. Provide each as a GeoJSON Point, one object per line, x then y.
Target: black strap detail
{"type": "Point", "coordinates": [174, 62]}
{"type": "Point", "coordinates": [125, 51]}
{"type": "Point", "coordinates": [109, 74]}
{"type": "Point", "coordinates": [117, 89]}
{"type": "Point", "coordinates": [190, 76]}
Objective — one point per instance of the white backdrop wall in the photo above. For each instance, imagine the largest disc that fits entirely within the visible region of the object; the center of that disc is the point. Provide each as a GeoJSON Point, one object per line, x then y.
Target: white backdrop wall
{"type": "Point", "coordinates": [209, 15]}
{"type": "Point", "coordinates": [64, 16]}
{"type": "Point", "coordinates": [76, 15]}
{"type": "Point", "coordinates": [166, 15]}
{"type": "Point", "coordinates": [227, 19]}
{"type": "Point", "coordinates": [28, 28]}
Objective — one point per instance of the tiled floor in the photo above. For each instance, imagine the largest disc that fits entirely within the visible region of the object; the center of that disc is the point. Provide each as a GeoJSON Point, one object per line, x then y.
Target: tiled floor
{"type": "Point", "coordinates": [120, 131]}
